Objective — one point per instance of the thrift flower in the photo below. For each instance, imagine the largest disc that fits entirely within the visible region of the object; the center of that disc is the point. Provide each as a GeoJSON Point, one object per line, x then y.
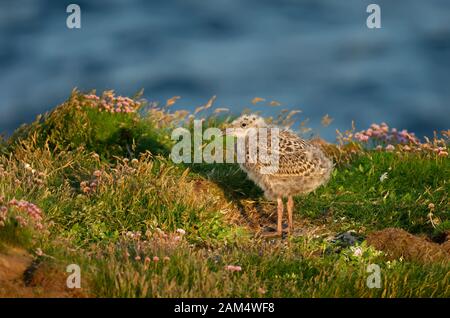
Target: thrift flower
{"type": "Point", "coordinates": [390, 148]}
{"type": "Point", "coordinates": [97, 173]}
{"type": "Point", "coordinates": [233, 268]}
{"type": "Point", "coordinates": [357, 251]}
{"type": "Point", "coordinates": [181, 231]}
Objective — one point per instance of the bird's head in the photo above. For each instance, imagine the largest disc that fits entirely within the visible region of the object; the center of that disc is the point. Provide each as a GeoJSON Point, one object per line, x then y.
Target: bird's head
{"type": "Point", "coordinates": [242, 125]}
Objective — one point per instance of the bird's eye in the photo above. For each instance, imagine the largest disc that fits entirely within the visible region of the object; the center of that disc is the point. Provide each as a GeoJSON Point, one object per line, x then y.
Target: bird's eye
{"type": "Point", "coordinates": [243, 124]}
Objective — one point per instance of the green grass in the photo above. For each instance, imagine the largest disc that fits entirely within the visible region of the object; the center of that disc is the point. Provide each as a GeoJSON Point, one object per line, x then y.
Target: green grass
{"type": "Point", "coordinates": [210, 202]}
{"type": "Point", "coordinates": [356, 192]}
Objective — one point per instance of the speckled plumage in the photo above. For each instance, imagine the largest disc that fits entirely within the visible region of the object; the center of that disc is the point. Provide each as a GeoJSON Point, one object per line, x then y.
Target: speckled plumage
{"type": "Point", "coordinates": [302, 166]}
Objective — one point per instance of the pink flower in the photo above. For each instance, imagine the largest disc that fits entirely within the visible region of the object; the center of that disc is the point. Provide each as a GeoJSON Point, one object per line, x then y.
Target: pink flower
{"type": "Point", "coordinates": [156, 259]}
{"type": "Point", "coordinates": [357, 251]}
{"type": "Point", "coordinates": [21, 220]}
{"type": "Point", "coordinates": [361, 136]}
{"type": "Point", "coordinates": [233, 268]}
{"type": "Point", "coordinates": [28, 207]}
{"type": "Point", "coordinates": [443, 153]}
{"type": "Point", "coordinates": [390, 148]}
{"type": "Point", "coordinates": [97, 173]}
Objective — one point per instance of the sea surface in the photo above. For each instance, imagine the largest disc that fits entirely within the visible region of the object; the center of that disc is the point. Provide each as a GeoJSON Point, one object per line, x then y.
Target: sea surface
{"type": "Point", "coordinates": [314, 55]}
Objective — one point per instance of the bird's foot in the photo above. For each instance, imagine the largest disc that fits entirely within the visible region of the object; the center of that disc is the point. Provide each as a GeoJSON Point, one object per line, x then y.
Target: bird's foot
{"type": "Point", "coordinates": [270, 232]}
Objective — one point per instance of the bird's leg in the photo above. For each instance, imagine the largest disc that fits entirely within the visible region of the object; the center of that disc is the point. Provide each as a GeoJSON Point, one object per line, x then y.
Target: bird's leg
{"type": "Point", "coordinates": [280, 216]}
{"type": "Point", "coordinates": [290, 208]}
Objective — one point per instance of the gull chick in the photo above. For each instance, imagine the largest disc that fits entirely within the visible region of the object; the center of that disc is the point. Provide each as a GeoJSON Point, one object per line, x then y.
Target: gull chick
{"type": "Point", "coordinates": [302, 166]}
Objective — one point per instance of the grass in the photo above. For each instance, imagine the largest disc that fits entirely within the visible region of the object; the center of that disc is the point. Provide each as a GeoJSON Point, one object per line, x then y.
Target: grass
{"type": "Point", "coordinates": [112, 202]}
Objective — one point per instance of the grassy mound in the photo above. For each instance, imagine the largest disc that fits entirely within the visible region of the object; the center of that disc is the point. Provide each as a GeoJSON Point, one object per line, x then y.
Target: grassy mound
{"type": "Point", "coordinates": [92, 183]}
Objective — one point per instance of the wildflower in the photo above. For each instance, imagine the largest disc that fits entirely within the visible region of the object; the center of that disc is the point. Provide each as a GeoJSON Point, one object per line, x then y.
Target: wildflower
{"type": "Point", "coordinates": [233, 268]}
{"type": "Point", "coordinates": [406, 148]}
{"type": "Point", "coordinates": [261, 291]}
{"type": "Point", "coordinates": [134, 161]}
{"type": "Point", "coordinates": [32, 210]}
{"type": "Point", "coordinates": [357, 251]}
{"type": "Point", "coordinates": [181, 231]}
{"type": "Point", "coordinates": [384, 127]}
{"type": "Point", "coordinates": [361, 137]}
{"type": "Point", "coordinates": [83, 184]}
{"type": "Point", "coordinates": [147, 260]}
{"type": "Point", "coordinates": [443, 153]}
{"type": "Point", "coordinates": [39, 252]}
{"type": "Point", "coordinates": [137, 258]}
{"type": "Point", "coordinates": [155, 259]}
{"type": "Point", "coordinates": [383, 177]}
{"type": "Point", "coordinates": [97, 173]}
{"type": "Point", "coordinates": [390, 148]}
{"type": "Point", "coordinates": [431, 206]}
{"type": "Point", "coordinates": [22, 222]}
{"type": "Point", "coordinates": [166, 258]}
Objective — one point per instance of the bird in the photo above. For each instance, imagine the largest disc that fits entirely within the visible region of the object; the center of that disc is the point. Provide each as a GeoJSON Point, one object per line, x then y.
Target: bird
{"type": "Point", "coordinates": [301, 168]}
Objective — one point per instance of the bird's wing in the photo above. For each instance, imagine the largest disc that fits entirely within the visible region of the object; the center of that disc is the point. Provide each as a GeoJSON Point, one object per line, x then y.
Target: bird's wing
{"type": "Point", "coordinates": [296, 157]}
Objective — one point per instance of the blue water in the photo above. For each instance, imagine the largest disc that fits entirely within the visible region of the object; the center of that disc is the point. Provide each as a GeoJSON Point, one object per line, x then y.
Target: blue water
{"type": "Point", "coordinates": [313, 55]}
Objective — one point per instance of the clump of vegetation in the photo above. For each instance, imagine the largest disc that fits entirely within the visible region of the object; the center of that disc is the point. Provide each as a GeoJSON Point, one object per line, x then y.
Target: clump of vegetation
{"type": "Point", "coordinates": [398, 243]}
{"type": "Point", "coordinates": [92, 183]}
